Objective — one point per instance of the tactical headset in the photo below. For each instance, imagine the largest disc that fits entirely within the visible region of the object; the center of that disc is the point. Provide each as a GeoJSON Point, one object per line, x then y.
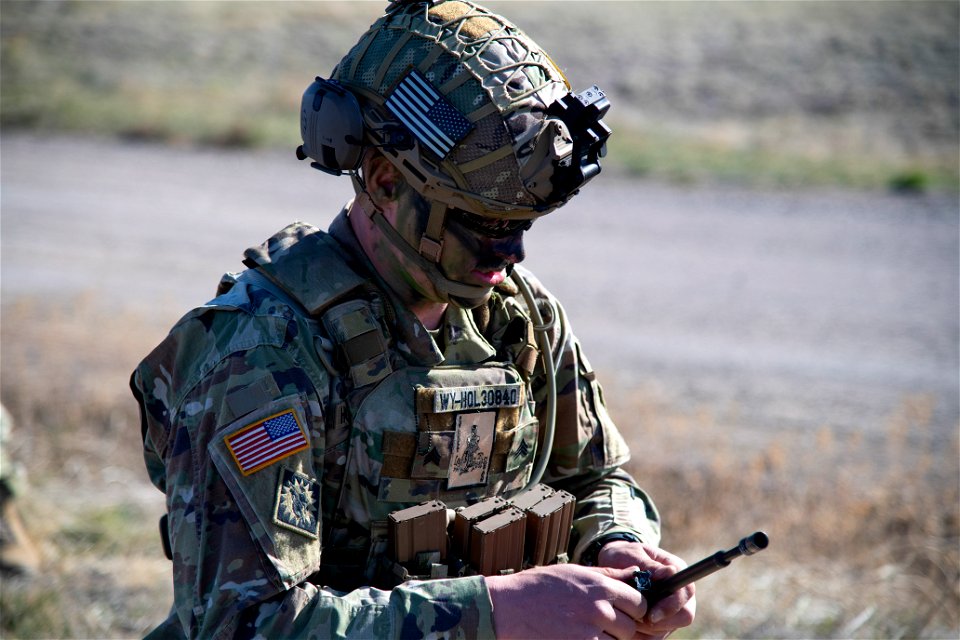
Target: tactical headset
{"type": "Point", "coordinates": [332, 129]}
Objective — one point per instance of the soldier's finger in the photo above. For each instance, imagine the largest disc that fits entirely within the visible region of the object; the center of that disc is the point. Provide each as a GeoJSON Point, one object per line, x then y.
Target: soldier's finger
{"type": "Point", "coordinates": [674, 608]}
{"type": "Point", "coordinates": [627, 599]}
{"type": "Point", "coordinates": [618, 623]}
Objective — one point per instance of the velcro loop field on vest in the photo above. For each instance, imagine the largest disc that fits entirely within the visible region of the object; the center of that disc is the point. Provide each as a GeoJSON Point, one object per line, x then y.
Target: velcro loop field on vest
{"type": "Point", "coordinates": [399, 443]}
{"type": "Point", "coordinates": [354, 328]}
{"type": "Point", "coordinates": [504, 440]}
{"type": "Point", "coordinates": [436, 421]}
{"type": "Point", "coordinates": [399, 448]}
{"type": "Point", "coordinates": [428, 420]}
{"type": "Point", "coordinates": [498, 462]}
{"type": "Point", "coordinates": [432, 459]}
{"type": "Point", "coordinates": [363, 347]}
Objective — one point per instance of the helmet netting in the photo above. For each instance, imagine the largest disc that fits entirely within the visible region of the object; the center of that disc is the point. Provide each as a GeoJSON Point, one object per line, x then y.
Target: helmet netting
{"type": "Point", "coordinates": [511, 78]}
{"type": "Point", "coordinates": [499, 180]}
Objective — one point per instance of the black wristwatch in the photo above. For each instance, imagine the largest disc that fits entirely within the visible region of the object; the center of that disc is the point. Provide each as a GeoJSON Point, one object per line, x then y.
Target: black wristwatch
{"type": "Point", "coordinates": [589, 557]}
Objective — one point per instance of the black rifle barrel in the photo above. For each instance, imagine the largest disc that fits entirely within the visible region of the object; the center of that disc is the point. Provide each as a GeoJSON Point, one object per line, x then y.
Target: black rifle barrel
{"type": "Point", "coordinates": [660, 589]}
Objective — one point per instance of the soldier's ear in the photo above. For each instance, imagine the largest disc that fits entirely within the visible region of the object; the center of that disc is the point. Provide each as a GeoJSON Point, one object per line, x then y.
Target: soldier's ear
{"type": "Point", "coordinates": [383, 180]}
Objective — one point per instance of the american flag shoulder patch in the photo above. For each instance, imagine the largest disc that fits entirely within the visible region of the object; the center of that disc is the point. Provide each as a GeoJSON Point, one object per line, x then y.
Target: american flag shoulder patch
{"type": "Point", "coordinates": [266, 441]}
{"type": "Point", "coordinates": [427, 114]}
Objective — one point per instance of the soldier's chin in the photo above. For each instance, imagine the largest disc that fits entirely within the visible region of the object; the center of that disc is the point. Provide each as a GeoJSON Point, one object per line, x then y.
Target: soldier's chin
{"type": "Point", "coordinates": [470, 303]}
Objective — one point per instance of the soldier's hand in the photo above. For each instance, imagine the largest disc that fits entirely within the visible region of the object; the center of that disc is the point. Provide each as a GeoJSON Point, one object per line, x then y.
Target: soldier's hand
{"type": "Point", "coordinates": [671, 613]}
{"type": "Point", "coordinates": [566, 601]}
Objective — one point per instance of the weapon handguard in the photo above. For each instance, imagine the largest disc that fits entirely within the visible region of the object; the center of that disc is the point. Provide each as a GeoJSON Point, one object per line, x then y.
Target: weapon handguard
{"type": "Point", "coordinates": [656, 591]}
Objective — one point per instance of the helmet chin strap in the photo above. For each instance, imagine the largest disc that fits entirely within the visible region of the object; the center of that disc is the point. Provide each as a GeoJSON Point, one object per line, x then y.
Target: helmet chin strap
{"type": "Point", "coordinates": [431, 248]}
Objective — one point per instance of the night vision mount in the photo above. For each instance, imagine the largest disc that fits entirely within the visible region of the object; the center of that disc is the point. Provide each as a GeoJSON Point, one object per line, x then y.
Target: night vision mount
{"type": "Point", "coordinates": [582, 113]}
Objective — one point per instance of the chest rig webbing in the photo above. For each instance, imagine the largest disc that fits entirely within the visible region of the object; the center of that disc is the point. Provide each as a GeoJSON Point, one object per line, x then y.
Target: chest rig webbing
{"type": "Point", "coordinates": [356, 351]}
{"type": "Point", "coordinates": [442, 398]}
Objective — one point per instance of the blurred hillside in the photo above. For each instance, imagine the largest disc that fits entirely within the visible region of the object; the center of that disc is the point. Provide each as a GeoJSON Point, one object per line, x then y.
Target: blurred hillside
{"type": "Point", "coordinates": [847, 93]}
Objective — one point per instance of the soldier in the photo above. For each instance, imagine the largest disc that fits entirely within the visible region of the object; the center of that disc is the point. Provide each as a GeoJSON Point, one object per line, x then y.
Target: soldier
{"type": "Point", "coordinates": [18, 554]}
{"type": "Point", "coordinates": [400, 357]}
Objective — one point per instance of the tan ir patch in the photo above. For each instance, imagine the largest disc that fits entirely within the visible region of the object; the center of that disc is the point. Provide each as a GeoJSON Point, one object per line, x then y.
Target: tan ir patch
{"type": "Point", "coordinates": [474, 27]}
{"type": "Point", "coordinates": [472, 446]}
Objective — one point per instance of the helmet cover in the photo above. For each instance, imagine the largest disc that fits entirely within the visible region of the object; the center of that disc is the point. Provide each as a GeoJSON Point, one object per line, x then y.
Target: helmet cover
{"type": "Point", "coordinates": [475, 92]}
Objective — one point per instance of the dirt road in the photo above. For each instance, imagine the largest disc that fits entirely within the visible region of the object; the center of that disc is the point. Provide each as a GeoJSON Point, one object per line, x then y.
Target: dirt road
{"type": "Point", "coordinates": [772, 311]}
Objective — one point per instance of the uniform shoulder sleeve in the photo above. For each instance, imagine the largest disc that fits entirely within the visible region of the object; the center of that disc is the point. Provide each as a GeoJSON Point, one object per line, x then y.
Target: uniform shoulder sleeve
{"type": "Point", "coordinates": [232, 414]}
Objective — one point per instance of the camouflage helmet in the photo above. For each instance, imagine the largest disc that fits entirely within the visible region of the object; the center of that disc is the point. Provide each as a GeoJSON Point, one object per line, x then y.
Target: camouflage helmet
{"type": "Point", "coordinates": [484, 104]}
{"type": "Point", "coordinates": [474, 115]}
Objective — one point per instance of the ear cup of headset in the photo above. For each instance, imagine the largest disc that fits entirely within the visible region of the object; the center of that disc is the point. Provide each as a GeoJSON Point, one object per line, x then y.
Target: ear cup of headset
{"type": "Point", "coordinates": [331, 127]}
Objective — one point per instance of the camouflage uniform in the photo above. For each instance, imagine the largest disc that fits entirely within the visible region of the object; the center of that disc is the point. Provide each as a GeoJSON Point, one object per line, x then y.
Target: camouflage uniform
{"type": "Point", "coordinates": [18, 554]}
{"type": "Point", "coordinates": [308, 347]}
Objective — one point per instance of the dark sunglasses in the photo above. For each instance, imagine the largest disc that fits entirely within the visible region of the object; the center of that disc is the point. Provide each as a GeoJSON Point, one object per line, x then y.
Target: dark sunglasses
{"type": "Point", "coordinates": [490, 227]}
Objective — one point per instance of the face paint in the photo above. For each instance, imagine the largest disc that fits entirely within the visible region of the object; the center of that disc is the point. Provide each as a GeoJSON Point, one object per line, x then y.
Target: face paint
{"type": "Point", "coordinates": [478, 259]}
{"type": "Point", "coordinates": [470, 255]}
{"type": "Point", "coordinates": [402, 273]}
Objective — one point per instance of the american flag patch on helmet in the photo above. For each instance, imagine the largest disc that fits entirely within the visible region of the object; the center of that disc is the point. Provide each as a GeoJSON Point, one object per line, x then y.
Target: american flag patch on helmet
{"type": "Point", "coordinates": [427, 114]}
{"type": "Point", "coordinates": [262, 443]}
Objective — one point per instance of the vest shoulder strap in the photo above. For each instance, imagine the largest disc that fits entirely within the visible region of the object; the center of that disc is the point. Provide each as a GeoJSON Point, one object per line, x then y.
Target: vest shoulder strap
{"type": "Point", "coordinates": [309, 265]}
{"type": "Point", "coordinates": [305, 268]}
{"type": "Point", "coordinates": [358, 332]}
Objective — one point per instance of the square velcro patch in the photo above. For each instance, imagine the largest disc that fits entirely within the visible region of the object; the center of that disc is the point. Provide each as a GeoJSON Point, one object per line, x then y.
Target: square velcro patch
{"type": "Point", "coordinates": [298, 503]}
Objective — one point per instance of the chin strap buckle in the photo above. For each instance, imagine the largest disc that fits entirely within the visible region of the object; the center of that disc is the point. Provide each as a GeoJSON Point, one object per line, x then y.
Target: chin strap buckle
{"type": "Point", "coordinates": [431, 243]}
{"type": "Point", "coordinates": [431, 249]}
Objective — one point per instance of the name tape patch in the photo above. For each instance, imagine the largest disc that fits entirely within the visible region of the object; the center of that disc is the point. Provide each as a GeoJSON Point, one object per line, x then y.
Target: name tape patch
{"type": "Point", "coordinates": [477, 398]}
{"type": "Point", "coordinates": [262, 443]}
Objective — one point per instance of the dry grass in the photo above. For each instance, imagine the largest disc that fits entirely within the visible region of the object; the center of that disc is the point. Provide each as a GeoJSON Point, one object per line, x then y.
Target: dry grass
{"type": "Point", "coordinates": [86, 500]}
{"type": "Point", "coordinates": [850, 93]}
{"type": "Point", "coordinates": [864, 538]}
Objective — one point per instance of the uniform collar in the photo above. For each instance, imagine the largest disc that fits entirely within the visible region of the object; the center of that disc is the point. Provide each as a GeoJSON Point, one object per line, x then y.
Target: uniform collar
{"type": "Point", "coordinates": [464, 344]}
{"type": "Point", "coordinates": [462, 341]}
{"type": "Point", "coordinates": [318, 273]}
{"type": "Point", "coordinates": [412, 338]}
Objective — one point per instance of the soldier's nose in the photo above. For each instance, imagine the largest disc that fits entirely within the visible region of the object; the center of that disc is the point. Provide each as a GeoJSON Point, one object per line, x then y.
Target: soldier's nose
{"type": "Point", "coordinates": [510, 249]}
